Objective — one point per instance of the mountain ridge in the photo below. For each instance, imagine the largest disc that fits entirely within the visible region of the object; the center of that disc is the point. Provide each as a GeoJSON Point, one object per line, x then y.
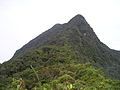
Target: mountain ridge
{"type": "Point", "coordinates": [75, 21]}
{"type": "Point", "coordinates": [68, 55]}
{"type": "Point", "coordinates": [78, 37]}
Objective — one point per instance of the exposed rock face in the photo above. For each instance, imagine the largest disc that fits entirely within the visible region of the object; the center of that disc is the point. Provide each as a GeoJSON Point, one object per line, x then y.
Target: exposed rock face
{"type": "Point", "coordinates": [83, 42]}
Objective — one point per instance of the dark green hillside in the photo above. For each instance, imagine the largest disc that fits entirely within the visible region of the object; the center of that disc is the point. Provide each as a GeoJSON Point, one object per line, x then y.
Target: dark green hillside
{"type": "Point", "coordinates": [59, 54]}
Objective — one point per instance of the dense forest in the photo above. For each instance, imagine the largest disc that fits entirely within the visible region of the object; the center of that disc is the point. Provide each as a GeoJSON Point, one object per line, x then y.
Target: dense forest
{"type": "Point", "coordinates": [61, 77]}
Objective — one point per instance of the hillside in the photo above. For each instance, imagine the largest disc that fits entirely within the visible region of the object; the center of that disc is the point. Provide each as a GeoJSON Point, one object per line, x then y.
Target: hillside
{"type": "Point", "coordinates": [73, 43]}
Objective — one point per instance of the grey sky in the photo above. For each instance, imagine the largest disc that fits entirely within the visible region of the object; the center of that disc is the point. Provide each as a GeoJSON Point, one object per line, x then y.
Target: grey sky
{"type": "Point", "coordinates": [23, 20]}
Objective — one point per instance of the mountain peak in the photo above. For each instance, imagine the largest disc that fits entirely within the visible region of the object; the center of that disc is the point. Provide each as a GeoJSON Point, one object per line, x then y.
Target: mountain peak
{"type": "Point", "coordinates": [78, 16]}
{"type": "Point", "coordinates": [77, 20]}
{"type": "Point", "coordinates": [63, 44]}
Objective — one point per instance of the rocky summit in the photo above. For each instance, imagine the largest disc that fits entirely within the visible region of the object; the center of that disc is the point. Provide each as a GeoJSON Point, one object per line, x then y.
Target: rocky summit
{"type": "Point", "coordinates": [73, 43]}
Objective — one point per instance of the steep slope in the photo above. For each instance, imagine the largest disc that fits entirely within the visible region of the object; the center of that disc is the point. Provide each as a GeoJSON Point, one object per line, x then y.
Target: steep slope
{"type": "Point", "coordinates": [72, 42]}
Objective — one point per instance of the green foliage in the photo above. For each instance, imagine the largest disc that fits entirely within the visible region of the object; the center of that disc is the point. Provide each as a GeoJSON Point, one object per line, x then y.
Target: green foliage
{"type": "Point", "coordinates": [66, 79]}
{"type": "Point", "coordinates": [59, 77]}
